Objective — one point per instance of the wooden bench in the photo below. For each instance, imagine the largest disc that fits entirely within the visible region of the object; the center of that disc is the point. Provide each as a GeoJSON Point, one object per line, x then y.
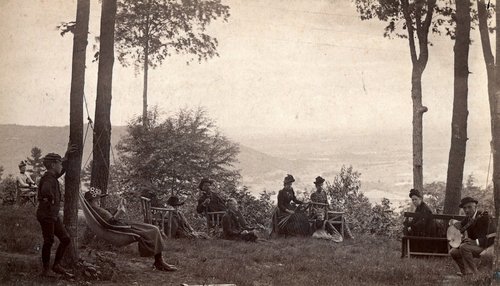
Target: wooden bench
{"type": "Point", "coordinates": [434, 246]}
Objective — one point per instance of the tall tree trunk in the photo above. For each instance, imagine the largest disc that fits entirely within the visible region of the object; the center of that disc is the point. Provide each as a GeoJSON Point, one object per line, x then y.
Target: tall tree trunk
{"type": "Point", "coordinates": [418, 114]}
{"type": "Point", "coordinates": [496, 145]}
{"type": "Point", "coordinates": [146, 67]}
{"type": "Point", "coordinates": [456, 159]}
{"type": "Point", "coordinates": [418, 66]}
{"type": "Point", "coordinates": [72, 177]}
{"type": "Point", "coordinates": [102, 136]}
{"type": "Point", "coordinates": [145, 88]}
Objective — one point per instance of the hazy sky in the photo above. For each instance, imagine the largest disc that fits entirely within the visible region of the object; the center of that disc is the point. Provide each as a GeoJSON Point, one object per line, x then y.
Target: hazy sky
{"type": "Point", "coordinates": [295, 66]}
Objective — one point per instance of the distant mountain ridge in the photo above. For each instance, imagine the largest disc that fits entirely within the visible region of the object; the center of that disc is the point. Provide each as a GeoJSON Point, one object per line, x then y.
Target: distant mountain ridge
{"type": "Point", "coordinates": [384, 160]}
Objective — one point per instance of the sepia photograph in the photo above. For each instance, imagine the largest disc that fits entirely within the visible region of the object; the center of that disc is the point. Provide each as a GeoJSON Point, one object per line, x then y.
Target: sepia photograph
{"type": "Point", "coordinates": [249, 142]}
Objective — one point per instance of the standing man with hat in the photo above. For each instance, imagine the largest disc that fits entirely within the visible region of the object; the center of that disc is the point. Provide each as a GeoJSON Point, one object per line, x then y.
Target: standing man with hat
{"type": "Point", "coordinates": [24, 182]}
{"type": "Point", "coordinates": [49, 197]}
{"type": "Point", "coordinates": [479, 235]}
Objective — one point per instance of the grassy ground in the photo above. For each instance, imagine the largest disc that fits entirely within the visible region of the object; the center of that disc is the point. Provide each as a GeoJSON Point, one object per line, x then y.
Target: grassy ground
{"type": "Point", "coordinates": [295, 261]}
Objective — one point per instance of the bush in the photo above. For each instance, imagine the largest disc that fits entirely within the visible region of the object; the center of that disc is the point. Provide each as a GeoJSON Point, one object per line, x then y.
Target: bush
{"type": "Point", "coordinates": [8, 190]}
{"type": "Point", "coordinates": [345, 195]}
{"type": "Point", "coordinates": [20, 230]}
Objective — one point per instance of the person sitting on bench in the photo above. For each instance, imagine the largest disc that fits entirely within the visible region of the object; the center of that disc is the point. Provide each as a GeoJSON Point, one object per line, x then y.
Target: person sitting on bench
{"type": "Point", "coordinates": [480, 234]}
{"type": "Point", "coordinates": [151, 242]}
{"type": "Point", "coordinates": [234, 225]}
{"type": "Point", "coordinates": [422, 225]}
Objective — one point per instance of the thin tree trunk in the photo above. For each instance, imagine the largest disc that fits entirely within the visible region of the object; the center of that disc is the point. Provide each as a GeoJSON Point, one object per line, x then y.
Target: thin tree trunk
{"type": "Point", "coordinates": [459, 138]}
{"type": "Point", "coordinates": [496, 146]}
{"type": "Point", "coordinates": [145, 88]}
{"type": "Point", "coordinates": [146, 67]}
{"type": "Point", "coordinates": [72, 177]}
{"type": "Point", "coordinates": [102, 136]}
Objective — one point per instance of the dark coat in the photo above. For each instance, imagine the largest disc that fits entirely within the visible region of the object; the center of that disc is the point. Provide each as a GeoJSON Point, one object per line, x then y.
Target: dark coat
{"type": "Point", "coordinates": [285, 197]}
{"type": "Point", "coordinates": [233, 223]}
{"type": "Point", "coordinates": [49, 195]}
{"type": "Point", "coordinates": [216, 203]}
{"type": "Point", "coordinates": [423, 224]}
{"type": "Point", "coordinates": [481, 228]}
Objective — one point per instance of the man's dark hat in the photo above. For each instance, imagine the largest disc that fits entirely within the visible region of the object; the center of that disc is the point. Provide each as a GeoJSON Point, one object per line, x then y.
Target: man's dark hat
{"type": "Point", "coordinates": [319, 180]}
{"type": "Point", "coordinates": [22, 163]}
{"type": "Point", "coordinates": [289, 179]}
{"type": "Point", "coordinates": [174, 201]}
{"type": "Point", "coordinates": [415, 192]}
{"type": "Point", "coordinates": [467, 200]}
{"type": "Point", "coordinates": [52, 157]}
{"type": "Point", "coordinates": [93, 193]}
{"type": "Point", "coordinates": [203, 181]}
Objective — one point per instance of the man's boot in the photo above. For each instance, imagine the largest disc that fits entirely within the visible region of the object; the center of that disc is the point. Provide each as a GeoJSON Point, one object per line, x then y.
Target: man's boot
{"type": "Point", "coordinates": [57, 268]}
{"type": "Point", "coordinates": [46, 272]}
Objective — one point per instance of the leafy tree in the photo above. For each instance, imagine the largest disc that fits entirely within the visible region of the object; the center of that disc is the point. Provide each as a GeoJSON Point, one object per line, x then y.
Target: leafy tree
{"type": "Point", "coordinates": [148, 31]}
{"type": "Point", "coordinates": [411, 20]}
{"type": "Point", "coordinates": [36, 163]}
{"type": "Point", "coordinates": [174, 154]}
{"type": "Point", "coordinates": [345, 195]}
{"type": "Point", "coordinates": [1, 172]}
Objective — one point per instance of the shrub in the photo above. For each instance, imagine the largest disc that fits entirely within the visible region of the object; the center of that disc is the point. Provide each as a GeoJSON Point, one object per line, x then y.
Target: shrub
{"type": "Point", "coordinates": [20, 230]}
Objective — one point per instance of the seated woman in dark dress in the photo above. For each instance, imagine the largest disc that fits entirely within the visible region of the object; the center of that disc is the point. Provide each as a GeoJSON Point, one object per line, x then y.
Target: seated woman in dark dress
{"type": "Point", "coordinates": [151, 242]}
{"type": "Point", "coordinates": [422, 224]}
{"type": "Point", "coordinates": [286, 219]}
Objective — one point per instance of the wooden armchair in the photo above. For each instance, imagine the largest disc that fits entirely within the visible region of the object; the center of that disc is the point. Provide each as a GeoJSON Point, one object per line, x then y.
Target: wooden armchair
{"type": "Point", "coordinates": [214, 221]}
{"type": "Point", "coordinates": [335, 218]}
{"type": "Point", "coordinates": [156, 215]}
{"type": "Point", "coordinates": [24, 195]}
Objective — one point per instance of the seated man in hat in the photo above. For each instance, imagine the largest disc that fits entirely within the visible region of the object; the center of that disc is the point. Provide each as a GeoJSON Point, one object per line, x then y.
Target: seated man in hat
{"type": "Point", "coordinates": [24, 183]}
{"type": "Point", "coordinates": [151, 243]}
{"type": "Point", "coordinates": [180, 227]}
{"type": "Point", "coordinates": [480, 235]}
{"type": "Point", "coordinates": [209, 201]}
{"type": "Point", "coordinates": [319, 199]}
{"type": "Point", "coordinates": [319, 208]}
{"type": "Point", "coordinates": [234, 225]}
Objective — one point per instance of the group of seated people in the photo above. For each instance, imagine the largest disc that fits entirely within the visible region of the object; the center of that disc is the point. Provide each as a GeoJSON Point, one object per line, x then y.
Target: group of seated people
{"type": "Point", "coordinates": [294, 219]}
{"type": "Point", "coordinates": [477, 231]}
{"type": "Point", "coordinates": [233, 223]}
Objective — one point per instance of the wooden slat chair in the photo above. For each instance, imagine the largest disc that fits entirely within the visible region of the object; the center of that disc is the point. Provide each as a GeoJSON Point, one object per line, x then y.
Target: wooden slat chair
{"type": "Point", "coordinates": [214, 221]}
{"type": "Point", "coordinates": [156, 215]}
{"type": "Point", "coordinates": [24, 195]}
{"type": "Point", "coordinates": [335, 218]}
